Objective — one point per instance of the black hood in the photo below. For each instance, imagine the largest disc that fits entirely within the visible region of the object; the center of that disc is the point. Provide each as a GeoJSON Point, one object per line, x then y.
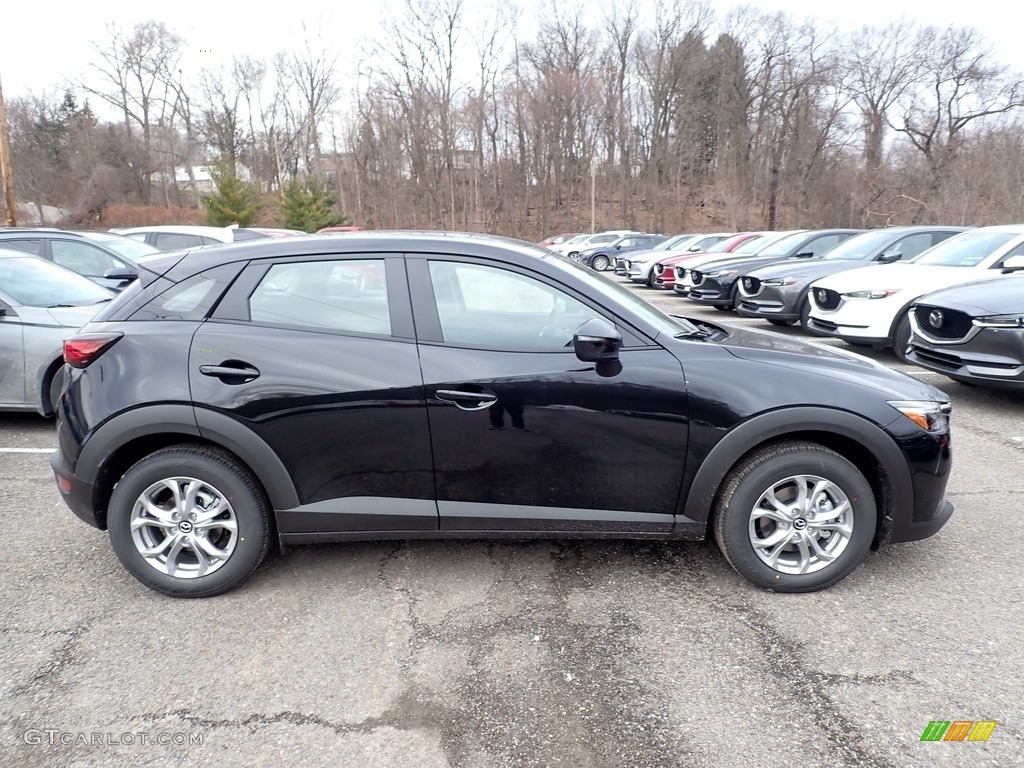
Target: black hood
{"type": "Point", "coordinates": [812, 269]}
{"type": "Point", "coordinates": [998, 296]}
{"type": "Point", "coordinates": [819, 359]}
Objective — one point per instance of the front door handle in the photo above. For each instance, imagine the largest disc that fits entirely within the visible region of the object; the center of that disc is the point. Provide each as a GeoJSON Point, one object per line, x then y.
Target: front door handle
{"type": "Point", "coordinates": [231, 372]}
{"type": "Point", "coordinates": [467, 401]}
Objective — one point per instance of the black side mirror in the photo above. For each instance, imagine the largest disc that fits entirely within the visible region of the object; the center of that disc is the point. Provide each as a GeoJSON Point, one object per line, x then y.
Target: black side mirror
{"type": "Point", "coordinates": [597, 341]}
{"type": "Point", "coordinates": [1013, 264]}
{"type": "Point", "coordinates": [889, 257]}
{"type": "Point", "coordinates": [120, 273]}
{"type": "Point", "coordinates": [805, 255]}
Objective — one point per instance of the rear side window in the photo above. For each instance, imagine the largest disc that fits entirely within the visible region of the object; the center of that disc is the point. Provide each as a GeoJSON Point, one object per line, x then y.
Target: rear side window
{"type": "Point", "coordinates": [172, 241]}
{"type": "Point", "coordinates": [35, 247]}
{"type": "Point", "coordinates": [191, 299]}
{"type": "Point", "coordinates": [343, 295]}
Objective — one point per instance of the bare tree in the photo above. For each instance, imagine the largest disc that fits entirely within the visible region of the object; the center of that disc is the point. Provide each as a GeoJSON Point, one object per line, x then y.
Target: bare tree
{"type": "Point", "coordinates": [133, 69]}
{"type": "Point", "coordinates": [958, 84]}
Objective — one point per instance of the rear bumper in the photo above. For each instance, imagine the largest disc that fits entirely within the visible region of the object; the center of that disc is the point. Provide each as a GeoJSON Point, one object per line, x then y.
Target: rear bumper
{"type": "Point", "coordinates": [77, 493]}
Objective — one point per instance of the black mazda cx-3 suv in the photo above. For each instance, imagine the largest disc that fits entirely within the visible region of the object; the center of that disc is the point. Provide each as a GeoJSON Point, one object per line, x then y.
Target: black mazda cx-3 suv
{"type": "Point", "coordinates": [410, 385]}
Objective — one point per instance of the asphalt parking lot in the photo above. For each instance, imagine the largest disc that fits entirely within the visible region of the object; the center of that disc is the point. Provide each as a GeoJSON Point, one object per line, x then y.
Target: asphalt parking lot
{"type": "Point", "coordinates": [520, 654]}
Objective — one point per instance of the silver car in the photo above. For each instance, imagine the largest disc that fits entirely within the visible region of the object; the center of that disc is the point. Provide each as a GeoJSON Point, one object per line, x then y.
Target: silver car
{"type": "Point", "coordinates": [41, 304]}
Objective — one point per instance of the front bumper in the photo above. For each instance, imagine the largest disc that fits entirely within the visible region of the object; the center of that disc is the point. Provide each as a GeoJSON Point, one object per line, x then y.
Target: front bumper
{"type": "Point", "coordinates": [774, 302]}
{"type": "Point", "coordinates": [992, 356]}
{"type": "Point", "coordinates": [711, 291]}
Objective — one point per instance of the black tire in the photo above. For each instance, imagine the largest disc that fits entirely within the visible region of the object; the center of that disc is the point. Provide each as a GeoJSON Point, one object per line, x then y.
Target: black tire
{"type": "Point", "coordinates": [769, 468]}
{"type": "Point", "coordinates": [599, 263]}
{"type": "Point", "coordinates": [805, 314]}
{"type": "Point", "coordinates": [53, 390]}
{"type": "Point", "coordinates": [218, 471]}
{"type": "Point", "coordinates": [901, 336]}
{"type": "Point", "coordinates": [778, 321]}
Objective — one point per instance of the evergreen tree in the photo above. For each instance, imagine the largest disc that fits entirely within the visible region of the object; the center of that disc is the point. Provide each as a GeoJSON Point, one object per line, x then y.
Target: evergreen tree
{"type": "Point", "coordinates": [309, 206]}
{"type": "Point", "coordinates": [234, 202]}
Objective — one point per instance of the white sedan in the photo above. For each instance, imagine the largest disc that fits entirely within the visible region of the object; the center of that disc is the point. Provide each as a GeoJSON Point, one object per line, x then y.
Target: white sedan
{"type": "Point", "coordinates": [870, 305]}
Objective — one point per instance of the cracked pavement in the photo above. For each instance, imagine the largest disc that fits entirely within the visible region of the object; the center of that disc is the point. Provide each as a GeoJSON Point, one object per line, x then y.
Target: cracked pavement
{"type": "Point", "coordinates": [542, 653]}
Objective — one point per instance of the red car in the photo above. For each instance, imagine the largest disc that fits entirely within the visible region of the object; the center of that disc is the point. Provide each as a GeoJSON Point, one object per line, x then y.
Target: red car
{"type": "Point", "coordinates": [664, 276]}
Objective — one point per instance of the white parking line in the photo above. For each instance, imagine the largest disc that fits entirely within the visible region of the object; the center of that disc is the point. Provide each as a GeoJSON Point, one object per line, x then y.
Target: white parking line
{"type": "Point", "coordinates": [27, 450]}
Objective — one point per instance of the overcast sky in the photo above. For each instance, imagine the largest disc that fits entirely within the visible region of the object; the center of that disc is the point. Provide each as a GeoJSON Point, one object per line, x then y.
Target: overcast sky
{"type": "Point", "coordinates": [47, 44]}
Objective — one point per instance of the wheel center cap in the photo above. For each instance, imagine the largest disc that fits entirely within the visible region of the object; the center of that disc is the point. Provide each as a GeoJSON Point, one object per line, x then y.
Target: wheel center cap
{"type": "Point", "coordinates": [799, 524]}
{"type": "Point", "coordinates": [185, 526]}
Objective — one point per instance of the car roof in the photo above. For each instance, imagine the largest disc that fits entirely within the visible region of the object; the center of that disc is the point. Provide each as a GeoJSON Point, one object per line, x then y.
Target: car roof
{"type": "Point", "coordinates": [369, 242]}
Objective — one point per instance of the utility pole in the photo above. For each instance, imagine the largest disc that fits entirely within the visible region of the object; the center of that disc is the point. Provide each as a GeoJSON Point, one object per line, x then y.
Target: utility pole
{"type": "Point", "coordinates": [593, 180]}
{"type": "Point", "coordinates": [5, 165]}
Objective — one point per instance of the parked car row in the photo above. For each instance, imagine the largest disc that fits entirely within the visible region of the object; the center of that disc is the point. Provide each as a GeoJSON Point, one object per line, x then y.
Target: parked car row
{"type": "Point", "coordinates": [938, 296]}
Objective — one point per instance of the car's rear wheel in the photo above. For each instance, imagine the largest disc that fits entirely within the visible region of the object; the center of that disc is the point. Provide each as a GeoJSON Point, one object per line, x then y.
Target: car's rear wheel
{"type": "Point", "coordinates": [795, 517]}
{"type": "Point", "coordinates": [600, 263]}
{"type": "Point", "coordinates": [189, 521]}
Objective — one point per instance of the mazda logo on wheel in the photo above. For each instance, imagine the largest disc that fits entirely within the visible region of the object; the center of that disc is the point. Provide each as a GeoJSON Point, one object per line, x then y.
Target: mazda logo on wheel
{"type": "Point", "coordinates": [936, 318]}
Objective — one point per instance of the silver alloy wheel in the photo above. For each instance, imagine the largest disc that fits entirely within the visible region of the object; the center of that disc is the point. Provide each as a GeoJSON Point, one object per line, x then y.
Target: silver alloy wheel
{"type": "Point", "coordinates": [184, 527]}
{"type": "Point", "coordinates": [801, 524]}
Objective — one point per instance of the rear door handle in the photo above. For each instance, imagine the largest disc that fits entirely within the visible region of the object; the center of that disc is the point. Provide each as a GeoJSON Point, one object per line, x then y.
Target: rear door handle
{"type": "Point", "coordinates": [468, 401]}
{"type": "Point", "coordinates": [237, 373]}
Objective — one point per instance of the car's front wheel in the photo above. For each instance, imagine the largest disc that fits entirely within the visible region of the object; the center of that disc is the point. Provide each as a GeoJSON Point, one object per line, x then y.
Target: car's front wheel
{"type": "Point", "coordinates": [189, 521]}
{"type": "Point", "coordinates": [901, 336]}
{"type": "Point", "coordinates": [600, 263]}
{"type": "Point", "coordinates": [795, 517]}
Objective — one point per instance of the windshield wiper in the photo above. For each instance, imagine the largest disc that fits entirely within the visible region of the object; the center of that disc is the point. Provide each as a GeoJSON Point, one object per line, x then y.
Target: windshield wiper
{"type": "Point", "coordinates": [696, 333]}
{"type": "Point", "coordinates": [59, 306]}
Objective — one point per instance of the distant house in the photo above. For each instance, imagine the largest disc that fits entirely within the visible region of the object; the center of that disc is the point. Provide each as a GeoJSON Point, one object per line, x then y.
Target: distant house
{"type": "Point", "coordinates": [201, 181]}
{"type": "Point", "coordinates": [33, 215]}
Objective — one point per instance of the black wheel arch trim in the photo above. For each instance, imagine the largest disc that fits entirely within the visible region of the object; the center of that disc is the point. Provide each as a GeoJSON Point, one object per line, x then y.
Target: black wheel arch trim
{"type": "Point", "coordinates": [183, 419]}
{"type": "Point", "coordinates": [799, 421]}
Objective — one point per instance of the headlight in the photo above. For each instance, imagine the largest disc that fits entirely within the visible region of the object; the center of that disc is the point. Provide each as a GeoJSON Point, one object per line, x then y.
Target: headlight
{"type": "Point", "coordinates": [927, 414]}
{"type": "Point", "coordinates": [640, 261]}
{"type": "Point", "coordinates": [880, 294]}
{"type": "Point", "coordinates": [1000, 321]}
{"type": "Point", "coordinates": [722, 273]}
{"type": "Point", "coordinates": [783, 281]}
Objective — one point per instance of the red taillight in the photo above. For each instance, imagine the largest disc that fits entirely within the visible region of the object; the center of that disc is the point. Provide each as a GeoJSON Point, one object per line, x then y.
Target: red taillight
{"type": "Point", "coordinates": [81, 350]}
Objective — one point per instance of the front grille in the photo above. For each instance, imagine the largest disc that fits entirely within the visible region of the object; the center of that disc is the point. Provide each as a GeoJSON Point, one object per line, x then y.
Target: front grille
{"type": "Point", "coordinates": [826, 298]}
{"type": "Point", "coordinates": [680, 273]}
{"type": "Point", "coordinates": [696, 276]}
{"type": "Point", "coordinates": [750, 286]}
{"type": "Point", "coordinates": [659, 268]}
{"type": "Point", "coordinates": [938, 323]}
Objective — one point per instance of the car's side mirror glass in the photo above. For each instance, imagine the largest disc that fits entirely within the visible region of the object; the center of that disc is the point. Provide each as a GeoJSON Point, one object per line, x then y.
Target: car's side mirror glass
{"type": "Point", "coordinates": [597, 341]}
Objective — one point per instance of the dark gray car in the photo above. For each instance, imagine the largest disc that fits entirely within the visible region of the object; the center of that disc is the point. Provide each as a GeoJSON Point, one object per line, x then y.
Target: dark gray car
{"type": "Point", "coordinates": [973, 333]}
{"type": "Point", "coordinates": [778, 292]}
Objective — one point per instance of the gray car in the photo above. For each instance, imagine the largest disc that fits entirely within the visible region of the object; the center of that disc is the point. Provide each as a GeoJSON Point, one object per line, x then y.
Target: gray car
{"type": "Point", "coordinates": [41, 304]}
{"type": "Point", "coordinates": [973, 333]}
{"type": "Point", "coordinates": [778, 292]}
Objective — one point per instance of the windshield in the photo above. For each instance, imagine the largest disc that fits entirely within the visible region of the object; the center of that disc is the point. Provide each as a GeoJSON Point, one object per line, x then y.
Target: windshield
{"type": "Point", "coordinates": [721, 246]}
{"type": "Point", "coordinates": [664, 323]}
{"type": "Point", "coordinates": [783, 246]}
{"type": "Point", "coordinates": [130, 249]}
{"type": "Point", "coordinates": [968, 249]}
{"type": "Point", "coordinates": [673, 243]}
{"type": "Point", "coordinates": [33, 282]}
{"type": "Point", "coordinates": [860, 247]}
{"type": "Point", "coordinates": [755, 244]}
